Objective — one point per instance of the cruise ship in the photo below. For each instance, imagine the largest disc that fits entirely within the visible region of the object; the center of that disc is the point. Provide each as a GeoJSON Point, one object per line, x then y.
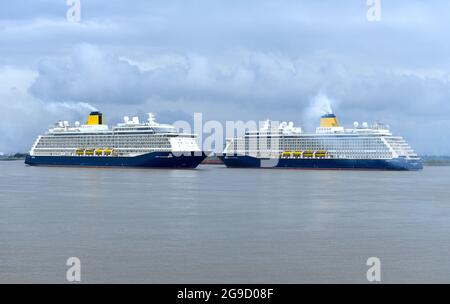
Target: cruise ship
{"type": "Point", "coordinates": [129, 144]}
{"type": "Point", "coordinates": [330, 147]}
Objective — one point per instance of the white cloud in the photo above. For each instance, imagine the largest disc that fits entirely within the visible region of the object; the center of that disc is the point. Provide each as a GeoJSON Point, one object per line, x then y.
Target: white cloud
{"type": "Point", "coordinates": [228, 59]}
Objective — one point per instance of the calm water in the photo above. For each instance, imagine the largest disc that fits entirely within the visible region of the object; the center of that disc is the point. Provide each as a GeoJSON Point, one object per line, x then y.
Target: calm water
{"type": "Point", "coordinates": [223, 225]}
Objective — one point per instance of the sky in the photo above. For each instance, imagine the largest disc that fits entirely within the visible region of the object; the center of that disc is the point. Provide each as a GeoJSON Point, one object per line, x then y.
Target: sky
{"type": "Point", "coordinates": [230, 60]}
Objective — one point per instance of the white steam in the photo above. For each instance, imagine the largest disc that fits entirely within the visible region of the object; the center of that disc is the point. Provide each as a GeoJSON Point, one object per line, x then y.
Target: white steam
{"type": "Point", "coordinates": [319, 105]}
{"type": "Point", "coordinates": [79, 107]}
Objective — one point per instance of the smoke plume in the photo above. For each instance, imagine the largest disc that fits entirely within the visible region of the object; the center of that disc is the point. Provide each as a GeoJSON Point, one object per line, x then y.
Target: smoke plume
{"type": "Point", "coordinates": [319, 105]}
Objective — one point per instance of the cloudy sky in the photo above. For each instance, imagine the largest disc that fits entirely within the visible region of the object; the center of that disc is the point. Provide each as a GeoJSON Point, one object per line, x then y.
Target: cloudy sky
{"type": "Point", "coordinates": [230, 60]}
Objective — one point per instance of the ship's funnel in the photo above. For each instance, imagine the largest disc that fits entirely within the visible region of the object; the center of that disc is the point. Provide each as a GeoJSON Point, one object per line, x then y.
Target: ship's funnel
{"type": "Point", "coordinates": [95, 118]}
{"type": "Point", "coordinates": [329, 121]}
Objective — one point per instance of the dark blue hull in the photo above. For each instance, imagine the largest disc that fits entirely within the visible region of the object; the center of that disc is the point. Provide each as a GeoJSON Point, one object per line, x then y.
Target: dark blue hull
{"type": "Point", "coordinates": [326, 163]}
{"type": "Point", "coordinates": [149, 160]}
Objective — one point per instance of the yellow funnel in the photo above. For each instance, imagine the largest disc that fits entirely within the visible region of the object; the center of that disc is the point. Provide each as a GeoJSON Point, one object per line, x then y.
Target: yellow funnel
{"type": "Point", "coordinates": [95, 118]}
{"type": "Point", "coordinates": [329, 121]}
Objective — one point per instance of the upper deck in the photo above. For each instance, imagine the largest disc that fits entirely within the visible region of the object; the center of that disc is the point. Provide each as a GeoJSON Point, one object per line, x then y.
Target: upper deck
{"type": "Point", "coordinates": [128, 126]}
{"type": "Point", "coordinates": [286, 129]}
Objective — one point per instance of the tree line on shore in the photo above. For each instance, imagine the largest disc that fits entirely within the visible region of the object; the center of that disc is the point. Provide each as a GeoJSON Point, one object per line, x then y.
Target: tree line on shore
{"type": "Point", "coordinates": [13, 156]}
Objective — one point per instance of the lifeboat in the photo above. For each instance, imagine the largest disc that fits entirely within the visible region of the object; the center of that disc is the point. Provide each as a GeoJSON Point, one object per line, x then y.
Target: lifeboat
{"type": "Point", "coordinates": [89, 152]}
{"type": "Point", "coordinates": [321, 153]}
{"type": "Point", "coordinates": [80, 152]}
{"type": "Point", "coordinates": [308, 154]}
{"type": "Point", "coordinates": [286, 154]}
{"type": "Point", "coordinates": [108, 151]}
{"type": "Point", "coordinates": [298, 154]}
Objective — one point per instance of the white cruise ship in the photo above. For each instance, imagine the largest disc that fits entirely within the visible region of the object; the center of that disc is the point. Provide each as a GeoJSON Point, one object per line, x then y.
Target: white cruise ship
{"type": "Point", "coordinates": [129, 144]}
{"type": "Point", "coordinates": [331, 147]}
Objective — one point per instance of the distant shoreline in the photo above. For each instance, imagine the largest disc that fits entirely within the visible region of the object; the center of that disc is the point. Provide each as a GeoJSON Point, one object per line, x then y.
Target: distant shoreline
{"type": "Point", "coordinates": [11, 159]}
{"type": "Point", "coordinates": [436, 163]}
{"type": "Point", "coordinates": [436, 160]}
{"type": "Point", "coordinates": [13, 156]}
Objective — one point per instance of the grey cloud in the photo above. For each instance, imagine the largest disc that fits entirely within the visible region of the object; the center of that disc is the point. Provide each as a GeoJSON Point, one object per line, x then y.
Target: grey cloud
{"type": "Point", "coordinates": [89, 75]}
{"type": "Point", "coordinates": [243, 77]}
{"type": "Point", "coordinates": [235, 60]}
